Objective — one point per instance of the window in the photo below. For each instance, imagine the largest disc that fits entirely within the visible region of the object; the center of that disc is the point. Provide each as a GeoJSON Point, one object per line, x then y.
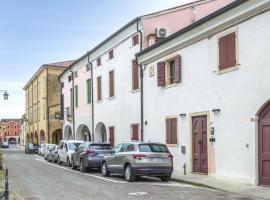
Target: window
{"type": "Point", "coordinates": [99, 95]}
{"type": "Point", "coordinates": [227, 51]}
{"type": "Point", "coordinates": [135, 132]}
{"type": "Point", "coordinates": [111, 83]}
{"type": "Point", "coordinates": [135, 40]}
{"type": "Point", "coordinates": [76, 74]}
{"type": "Point", "coordinates": [15, 133]}
{"type": "Point", "coordinates": [171, 131]}
{"type": "Point", "coordinates": [71, 97]}
{"type": "Point", "coordinates": [128, 147]}
{"type": "Point", "coordinates": [110, 54]}
{"type": "Point", "coordinates": [169, 72]}
{"type": "Point", "coordinates": [76, 96]}
{"type": "Point", "coordinates": [111, 132]}
{"type": "Point", "coordinates": [89, 91]}
{"type": "Point", "coordinates": [118, 148]}
{"type": "Point", "coordinates": [135, 75]}
{"type": "Point", "coordinates": [98, 61]}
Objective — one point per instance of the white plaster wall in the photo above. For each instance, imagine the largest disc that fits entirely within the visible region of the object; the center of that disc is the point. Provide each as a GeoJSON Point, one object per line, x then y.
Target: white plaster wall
{"type": "Point", "coordinates": [239, 94]}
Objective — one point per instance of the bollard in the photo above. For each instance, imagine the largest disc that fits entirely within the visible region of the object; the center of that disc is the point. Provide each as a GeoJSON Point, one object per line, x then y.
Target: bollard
{"type": "Point", "coordinates": [6, 186]}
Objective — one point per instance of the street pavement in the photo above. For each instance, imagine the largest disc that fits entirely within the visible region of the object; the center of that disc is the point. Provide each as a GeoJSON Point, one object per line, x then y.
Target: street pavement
{"type": "Point", "coordinates": [33, 178]}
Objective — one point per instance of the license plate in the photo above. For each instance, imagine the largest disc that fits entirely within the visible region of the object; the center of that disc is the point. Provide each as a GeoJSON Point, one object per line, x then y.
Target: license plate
{"type": "Point", "coordinates": [157, 159]}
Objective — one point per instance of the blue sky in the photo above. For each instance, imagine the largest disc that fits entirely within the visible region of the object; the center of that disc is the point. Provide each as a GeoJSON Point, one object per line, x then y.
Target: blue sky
{"type": "Point", "coordinates": [34, 32]}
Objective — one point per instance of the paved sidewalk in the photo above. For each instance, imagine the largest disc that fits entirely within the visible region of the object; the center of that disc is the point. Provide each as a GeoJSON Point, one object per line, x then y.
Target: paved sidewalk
{"type": "Point", "coordinates": [225, 184]}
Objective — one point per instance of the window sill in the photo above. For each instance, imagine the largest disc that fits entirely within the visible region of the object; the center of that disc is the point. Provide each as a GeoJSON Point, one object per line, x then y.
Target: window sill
{"type": "Point", "coordinates": [100, 101]}
{"type": "Point", "coordinates": [171, 85]}
{"type": "Point", "coordinates": [111, 98]}
{"type": "Point", "coordinates": [172, 145]}
{"type": "Point", "coordinates": [236, 67]}
{"type": "Point", "coordinates": [135, 91]}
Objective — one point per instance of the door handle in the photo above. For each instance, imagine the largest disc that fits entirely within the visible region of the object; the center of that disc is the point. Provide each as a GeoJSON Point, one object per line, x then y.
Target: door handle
{"type": "Point", "coordinates": [200, 142]}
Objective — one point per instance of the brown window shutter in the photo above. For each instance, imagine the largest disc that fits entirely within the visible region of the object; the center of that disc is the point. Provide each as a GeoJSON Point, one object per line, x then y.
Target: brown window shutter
{"type": "Point", "coordinates": [99, 88]}
{"type": "Point", "coordinates": [223, 57]}
{"type": "Point", "coordinates": [174, 130]}
{"type": "Point", "coordinates": [231, 51]}
{"type": "Point", "coordinates": [178, 70]}
{"type": "Point", "coordinates": [111, 130]}
{"type": "Point", "coordinates": [135, 75]}
{"type": "Point", "coordinates": [168, 131]}
{"type": "Point", "coordinates": [161, 74]}
{"type": "Point", "coordinates": [111, 82]}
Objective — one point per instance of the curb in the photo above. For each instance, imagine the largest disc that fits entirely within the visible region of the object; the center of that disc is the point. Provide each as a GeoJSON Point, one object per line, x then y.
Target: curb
{"type": "Point", "coordinates": [215, 188]}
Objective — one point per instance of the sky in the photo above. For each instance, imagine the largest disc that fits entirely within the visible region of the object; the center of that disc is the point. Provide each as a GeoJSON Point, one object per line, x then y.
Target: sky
{"type": "Point", "coordinates": [36, 32]}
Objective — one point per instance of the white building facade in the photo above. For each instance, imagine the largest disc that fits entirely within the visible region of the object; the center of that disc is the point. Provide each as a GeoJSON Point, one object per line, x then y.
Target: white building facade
{"type": "Point", "coordinates": [206, 93]}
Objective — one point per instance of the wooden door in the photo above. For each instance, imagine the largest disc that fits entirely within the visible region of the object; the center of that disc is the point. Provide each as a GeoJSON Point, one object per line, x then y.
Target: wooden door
{"type": "Point", "coordinates": [199, 144]}
{"type": "Point", "coordinates": [111, 130]}
{"type": "Point", "coordinates": [264, 146]}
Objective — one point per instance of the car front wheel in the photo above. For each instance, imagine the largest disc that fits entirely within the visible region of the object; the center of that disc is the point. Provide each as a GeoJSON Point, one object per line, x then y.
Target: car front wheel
{"type": "Point", "coordinates": [129, 175]}
{"type": "Point", "coordinates": [104, 169]}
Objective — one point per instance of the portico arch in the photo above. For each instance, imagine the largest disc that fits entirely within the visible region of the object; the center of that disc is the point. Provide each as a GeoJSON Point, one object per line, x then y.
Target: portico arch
{"type": "Point", "coordinates": [56, 136]}
{"type": "Point", "coordinates": [100, 133]}
{"type": "Point", "coordinates": [31, 138]}
{"type": "Point", "coordinates": [42, 137]}
{"type": "Point", "coordinates": [35, 138]}
{"type": "Point", "coordinates": [83, 133]}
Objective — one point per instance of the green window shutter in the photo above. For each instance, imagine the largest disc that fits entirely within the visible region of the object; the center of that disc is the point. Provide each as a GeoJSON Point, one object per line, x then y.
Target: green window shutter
{"type": "Point", "coordinates": [76, 96]}
{"type": "Point", "coordinates": [89, 91]}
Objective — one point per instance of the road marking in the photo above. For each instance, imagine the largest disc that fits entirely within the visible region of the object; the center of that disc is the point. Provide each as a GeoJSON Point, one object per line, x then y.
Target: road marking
{"type": "Point", "coordinates": [99, 177]}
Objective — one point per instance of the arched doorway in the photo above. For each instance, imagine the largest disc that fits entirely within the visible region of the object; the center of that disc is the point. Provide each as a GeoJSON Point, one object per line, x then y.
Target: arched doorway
{"type": "Point", "coordinates": [42, 137]}
{"type": "Point", "coordinates": [31, 138]}
{"type": "Point", "coordinates": [12, 140]}
{"type": "Point", "coordinates": [100, 133]}
{"type": "Point", "coordinates": [67, 132]}
{"type": "Point", "coordinates": [36, 138]}
{"type": "Point", "coordinates": [83, 133]}
{"type": "Point", "coordinates": [57, 136]}
{"type": "Point", "coordinates": [264, 145]}
{"type": "Point", "coordinates": [27, 138]}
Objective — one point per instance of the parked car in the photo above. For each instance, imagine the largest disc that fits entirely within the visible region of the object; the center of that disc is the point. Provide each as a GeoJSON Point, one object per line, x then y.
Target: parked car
{"type": "Point", "coordinates": [134, 159]}
{"type": "Point", "coordinates": [12, 142]}
{"type": "Point", "coordinates": [90, 155]}
{"type": "Point", "coordinates": [5, 145]}
{"type": "Point", "coordinates": [30, 149]}
{"type": "Point", "coordinates": [48, 148]}
{"type": "Point", "coordinates": [40, 149]}
{"type": "Point", "coordinates": [65, 150]}
{"type": "Point", "coordinates": [50, 154]}
{"type": "Point", "coordinates": [43, 149]}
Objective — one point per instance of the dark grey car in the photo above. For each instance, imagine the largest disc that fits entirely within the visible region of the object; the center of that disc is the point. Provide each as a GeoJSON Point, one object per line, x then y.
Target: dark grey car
{"type": "Point", "coordinates": [134, 159]}
{"type": "Point", "coordinates": [90, 155]}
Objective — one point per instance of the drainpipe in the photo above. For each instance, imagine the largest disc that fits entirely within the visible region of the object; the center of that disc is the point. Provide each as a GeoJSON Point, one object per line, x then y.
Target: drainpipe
{"type": "Point", "coordinates": [141, 82]}
{"type": "Point", "coordinates": [72, 104]}
{"type": "Point", "coordinates": [47, 106]}
{"type": "Point", "coordinates": [92, 97]}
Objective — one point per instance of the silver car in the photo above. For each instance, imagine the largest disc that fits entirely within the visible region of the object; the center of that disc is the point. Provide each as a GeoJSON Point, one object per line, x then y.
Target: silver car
{"type": "Point", "coordinates": [47, 149]}
{"type": "Point", "coordinates": [134, 159]}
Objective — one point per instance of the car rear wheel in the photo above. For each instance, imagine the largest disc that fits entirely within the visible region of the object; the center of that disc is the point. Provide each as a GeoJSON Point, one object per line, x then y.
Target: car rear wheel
{"type": "Point", "coordinates": [165, 178]}
{"type": "Point", "coordinates": [104, 169]}
{"type": "Point", "coordinates": [82, 167]}
{"type": "Point", "coordinates": [129, 175]}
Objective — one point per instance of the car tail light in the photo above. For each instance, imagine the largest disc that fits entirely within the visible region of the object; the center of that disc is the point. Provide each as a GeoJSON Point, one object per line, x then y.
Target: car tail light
{"type": "Point", "coordinates": [170, 156]}
{"type": "Point", "coordinates": [139, 156]}
{"type": "Point", "coordinates": [90, 152]}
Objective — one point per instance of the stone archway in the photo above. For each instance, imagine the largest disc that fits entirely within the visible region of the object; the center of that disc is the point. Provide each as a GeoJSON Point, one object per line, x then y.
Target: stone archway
{"type": "Point", "coordinates": [67, 133]}
{"type": "Point", "coordinates": [27, 138]}
{"type": "Point", "coordinates": [83, 133]}
{"type": "Point", "coordinates": [12, 140]}
{"type": "Point", "coordinates": [31, 138]}
{"type": "Point", "coordinates": [42, 137]}
{"type": "Point", "coordinates": [35, 138]}
{"type": "Point", "coordinates": [100, 133]}
{"type": "Point", "coordinates": [57, 136]}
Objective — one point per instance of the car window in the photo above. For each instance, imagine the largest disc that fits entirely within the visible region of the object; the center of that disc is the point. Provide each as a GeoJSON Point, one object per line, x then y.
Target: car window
{"type": "Point", "coordinates": [82, 146]}
{"type": "Point", "coordinates": [72, 146]}
{"type": "Point", "coordinates": [60, 145]}
{"type": "Point", "coordinates": [156, 148]}
{"type": "Point", "coordinates": [66, 147]}
{"type": "Point", "coordinates": [100, 146]}
{"type": "Point", "coordinates": [128, 147]}
{"type": "Point", "coordinates": [118, 148]}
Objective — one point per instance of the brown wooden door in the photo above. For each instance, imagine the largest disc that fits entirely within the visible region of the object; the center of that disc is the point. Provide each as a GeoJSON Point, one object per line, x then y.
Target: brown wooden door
{"type": "Point", "coordinates": [111, 130]}
{"type": "Point", "coordinates": [199, 144]}
{"type": "Point", "coordinates": [264, 146]}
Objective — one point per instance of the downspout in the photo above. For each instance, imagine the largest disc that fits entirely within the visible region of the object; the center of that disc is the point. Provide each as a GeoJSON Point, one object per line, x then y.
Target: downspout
{"type": "Point", "coordinates": [92, 98]}
{"type": "Point", "coordinates": [47, 105]}
{"type": "Point", "coordinates": [141, 82]}
{"type": "Point", "coordinates": [72, 105]}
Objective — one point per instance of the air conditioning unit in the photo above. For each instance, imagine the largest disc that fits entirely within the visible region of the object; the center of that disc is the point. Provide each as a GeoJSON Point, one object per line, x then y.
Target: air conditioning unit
{"type": "Point", "coordinates": [161, 32]}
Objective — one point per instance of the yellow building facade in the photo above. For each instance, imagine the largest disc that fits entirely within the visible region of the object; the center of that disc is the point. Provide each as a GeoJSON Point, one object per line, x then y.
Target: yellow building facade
{"type": "Point", "coordinates": [43, 104]}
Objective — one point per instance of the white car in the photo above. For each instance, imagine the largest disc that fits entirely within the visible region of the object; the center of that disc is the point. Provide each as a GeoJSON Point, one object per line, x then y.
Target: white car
{"type": "Point", "coordinates": [47, 149]}
{"type": "Point", "coordinates": [65, 150]}
{"type": "Point", "coordinates": [40, 149]}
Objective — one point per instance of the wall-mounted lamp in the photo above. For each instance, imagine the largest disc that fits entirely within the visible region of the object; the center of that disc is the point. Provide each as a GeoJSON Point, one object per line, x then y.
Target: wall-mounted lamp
{"type": "Point", "coordinates": [183, 115]}
{"type": "Point", "coordinates": [216, 110]}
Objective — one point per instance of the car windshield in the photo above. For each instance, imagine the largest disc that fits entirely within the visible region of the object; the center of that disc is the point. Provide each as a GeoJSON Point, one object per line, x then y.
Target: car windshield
{"type": "Point", "coordinates": [72, 146]}
{"type": "Point", "coordinates": [30, 145]}
{"type": "Point", "coordinates": [100, 146]}
{"type": "Point", "coordinates": [156, 148]}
